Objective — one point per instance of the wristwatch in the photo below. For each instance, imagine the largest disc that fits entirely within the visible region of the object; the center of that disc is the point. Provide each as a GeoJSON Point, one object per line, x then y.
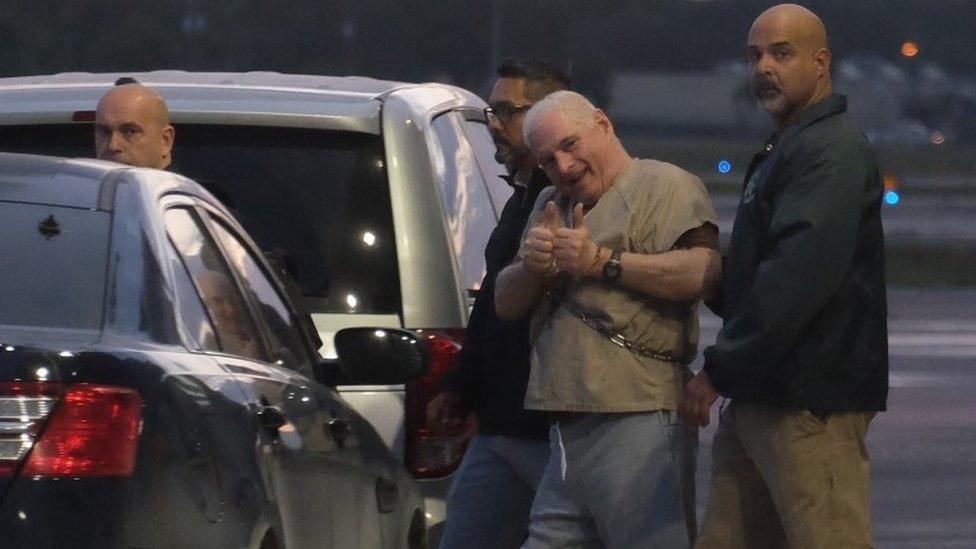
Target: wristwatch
{"type": "Point", "coordinates": [612, 269]}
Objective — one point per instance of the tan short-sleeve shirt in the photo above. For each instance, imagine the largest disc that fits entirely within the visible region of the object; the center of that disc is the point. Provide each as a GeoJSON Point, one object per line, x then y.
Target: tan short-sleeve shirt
{"type": "Point", "coordinates": [576, 368]}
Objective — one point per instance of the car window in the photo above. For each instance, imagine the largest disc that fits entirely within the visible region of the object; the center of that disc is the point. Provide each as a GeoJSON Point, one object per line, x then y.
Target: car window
{"type": "Point", "coordinates": [201, 333]}
{"type": "Point", "coordinates": [236, 332]}
{"type": "Point", "coordinates": [286, 346]}
{"type": "Point", "coordinates": [318, 198]}
{"type": "Point", "coordinates": [491, 170]}
{"type": "Point", "coordinates": [53, 261]}
{"type": "Point", "coordinates": [469, 214]}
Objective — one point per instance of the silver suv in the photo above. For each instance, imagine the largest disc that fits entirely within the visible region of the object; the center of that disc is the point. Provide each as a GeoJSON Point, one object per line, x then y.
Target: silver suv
{"type": "Point", "coordinates": [377, 196]}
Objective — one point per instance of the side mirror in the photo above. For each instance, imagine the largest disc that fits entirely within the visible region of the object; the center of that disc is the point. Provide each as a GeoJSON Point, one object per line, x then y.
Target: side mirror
{"type": "Point", "coordinates": [380, 356]}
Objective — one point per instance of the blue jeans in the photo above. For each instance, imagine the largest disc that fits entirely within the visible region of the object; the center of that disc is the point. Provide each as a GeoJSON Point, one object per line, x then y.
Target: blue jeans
{"type": "Point", "coordinates": [489, 501]}
{"type": "Point", "coordinates": [621, 480]}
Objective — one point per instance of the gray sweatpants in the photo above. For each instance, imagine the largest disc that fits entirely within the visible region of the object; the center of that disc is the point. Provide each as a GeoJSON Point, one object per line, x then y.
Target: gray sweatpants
{"type": "Point", "coordinates": [617, 480]}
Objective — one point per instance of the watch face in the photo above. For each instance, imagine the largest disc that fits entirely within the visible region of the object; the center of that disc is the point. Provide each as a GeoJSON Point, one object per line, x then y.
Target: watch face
{"type": "Point", "coordinates": [611, 269]}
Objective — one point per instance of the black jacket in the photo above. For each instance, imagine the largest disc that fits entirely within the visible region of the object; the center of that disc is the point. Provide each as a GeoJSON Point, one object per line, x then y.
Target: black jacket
{"type": "Point", "coordinates": [803, 295]}
{"type": "Point", "coordinates": [492, 370]}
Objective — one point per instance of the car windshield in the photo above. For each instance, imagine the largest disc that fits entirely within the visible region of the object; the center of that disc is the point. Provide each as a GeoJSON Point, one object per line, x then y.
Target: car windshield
{"type": "Point", "coordinates": [53, 261]}
{"type": "Point", "coordinates": [316, 200]}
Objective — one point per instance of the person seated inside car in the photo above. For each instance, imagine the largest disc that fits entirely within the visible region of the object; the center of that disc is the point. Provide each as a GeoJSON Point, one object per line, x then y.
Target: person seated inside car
{"type": "Point", "coordinates": [234, 329]}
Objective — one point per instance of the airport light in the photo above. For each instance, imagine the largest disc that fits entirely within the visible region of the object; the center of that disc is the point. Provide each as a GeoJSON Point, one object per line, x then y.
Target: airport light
{"type": "Point", "coordinates": [892, 197]}
{"type": "Point", "coordinates": [909, 49]}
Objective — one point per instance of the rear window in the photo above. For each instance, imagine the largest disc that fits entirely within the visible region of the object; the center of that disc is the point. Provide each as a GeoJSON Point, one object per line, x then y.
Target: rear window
{"type": "Point", "coordinates": [53, 263]}
{"type": "Point", "coordinates": [318, 200]}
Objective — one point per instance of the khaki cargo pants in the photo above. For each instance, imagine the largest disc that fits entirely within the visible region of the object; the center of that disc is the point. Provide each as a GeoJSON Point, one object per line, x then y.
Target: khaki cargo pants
{"type": "Point", "coordinates": [787, 478]}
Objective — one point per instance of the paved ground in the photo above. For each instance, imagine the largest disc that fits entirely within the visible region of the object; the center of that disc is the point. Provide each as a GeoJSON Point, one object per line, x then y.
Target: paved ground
{"type": "Point", "coordinates": [923, 450]}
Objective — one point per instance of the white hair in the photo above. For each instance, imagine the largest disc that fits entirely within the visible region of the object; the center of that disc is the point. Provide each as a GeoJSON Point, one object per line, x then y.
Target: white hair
{"type": "Point", "coordinates": [573, 107]}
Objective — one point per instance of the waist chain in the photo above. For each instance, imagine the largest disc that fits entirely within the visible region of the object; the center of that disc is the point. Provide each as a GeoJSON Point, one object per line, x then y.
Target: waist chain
{"type": "Point", "coordinates": [616, 338]}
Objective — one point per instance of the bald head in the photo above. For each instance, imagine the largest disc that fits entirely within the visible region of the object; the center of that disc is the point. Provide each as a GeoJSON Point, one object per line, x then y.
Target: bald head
{"type": "Point", "coordinates": [789, 61]}
{"type": "Point", "coordinates": [804, 25]}
{"type": "Point", "coordinates": [132, 127]}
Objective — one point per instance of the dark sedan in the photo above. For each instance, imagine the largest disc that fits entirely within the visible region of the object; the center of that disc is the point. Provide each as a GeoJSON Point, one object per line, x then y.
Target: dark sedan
{"type": "Point", "coordinates": [157, 387]}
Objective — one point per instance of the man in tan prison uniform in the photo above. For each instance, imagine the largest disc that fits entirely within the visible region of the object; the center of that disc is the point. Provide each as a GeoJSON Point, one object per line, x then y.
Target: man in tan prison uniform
{"type": "Point", "coordinates": [618, 255]}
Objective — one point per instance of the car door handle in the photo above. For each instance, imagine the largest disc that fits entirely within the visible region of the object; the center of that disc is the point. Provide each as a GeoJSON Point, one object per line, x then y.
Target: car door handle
{"type": "Point", "coordinates": [271, 418]}
{"type": "Point", "coordinates": [339, 429]}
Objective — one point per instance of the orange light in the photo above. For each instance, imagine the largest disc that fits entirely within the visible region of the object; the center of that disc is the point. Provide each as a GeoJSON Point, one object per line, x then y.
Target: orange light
{"type": "Point", "coordinates": [890, 181]}
{"type": "Point", "coordinates": [909, 49]}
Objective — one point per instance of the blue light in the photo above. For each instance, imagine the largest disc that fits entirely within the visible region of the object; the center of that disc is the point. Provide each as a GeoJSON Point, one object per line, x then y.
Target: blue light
{"type": "Point", "coordinates": [724, 166]}
{"type": "Point", "coordinates": [891, 197]}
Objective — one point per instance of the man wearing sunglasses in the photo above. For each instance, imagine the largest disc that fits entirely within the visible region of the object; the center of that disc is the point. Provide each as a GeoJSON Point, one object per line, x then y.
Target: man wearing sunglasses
{"type": "Point", "coordinates": [489, 502]}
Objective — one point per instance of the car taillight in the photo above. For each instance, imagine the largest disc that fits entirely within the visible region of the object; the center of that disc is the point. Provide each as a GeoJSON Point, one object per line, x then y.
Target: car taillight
{"type": "Point", "coordinates": [92, 430]}
{"type": "Point", "coordinates": [430, 454]}
{"type": "Point", "coordinates": [83, 116]}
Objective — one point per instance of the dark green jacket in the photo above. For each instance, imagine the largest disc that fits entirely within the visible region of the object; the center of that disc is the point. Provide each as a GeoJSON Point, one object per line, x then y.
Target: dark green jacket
{"type": "Point", "coordinates": [803, 295]}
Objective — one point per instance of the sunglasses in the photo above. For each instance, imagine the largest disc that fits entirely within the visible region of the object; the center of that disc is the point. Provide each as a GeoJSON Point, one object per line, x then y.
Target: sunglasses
{"type": "Point", "coordinates": [504, 112]}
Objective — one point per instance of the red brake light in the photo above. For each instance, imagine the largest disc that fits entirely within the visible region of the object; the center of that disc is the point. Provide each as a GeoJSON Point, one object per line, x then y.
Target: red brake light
{"type": "Point", "coordinates": [92, 430]}
{"type": "Point", "coordinates": [83, 116]}
{"type": "Point", "coordinates": [430, 455]}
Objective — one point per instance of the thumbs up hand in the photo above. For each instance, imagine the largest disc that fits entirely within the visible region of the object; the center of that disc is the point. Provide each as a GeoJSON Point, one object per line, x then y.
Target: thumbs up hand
{"type": "Point", "coordinates": [578, 220]}
{"type": "Point", "coordinates": [574, 251]}
{"type": "Point", "coordinates": [550, 218]}
{"type": "Point", "coordinates": [539, 241]}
